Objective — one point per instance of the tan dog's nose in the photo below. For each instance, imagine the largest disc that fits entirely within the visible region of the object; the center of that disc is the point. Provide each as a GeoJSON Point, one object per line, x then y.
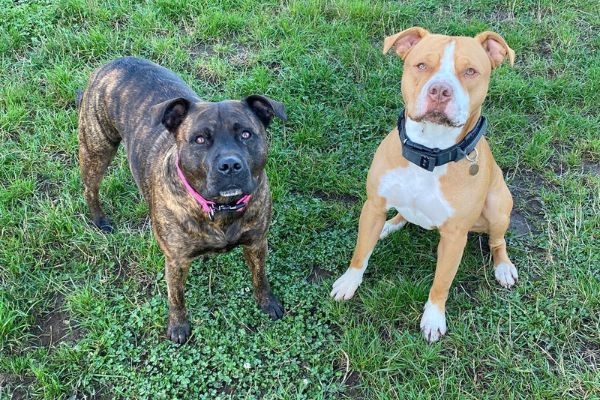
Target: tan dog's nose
{"type": "Point", "coordinates": [440, 93]}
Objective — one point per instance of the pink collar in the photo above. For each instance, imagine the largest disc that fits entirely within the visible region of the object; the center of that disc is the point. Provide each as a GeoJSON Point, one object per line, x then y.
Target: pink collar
{"type": "Point", "coordinates": [210, 207]}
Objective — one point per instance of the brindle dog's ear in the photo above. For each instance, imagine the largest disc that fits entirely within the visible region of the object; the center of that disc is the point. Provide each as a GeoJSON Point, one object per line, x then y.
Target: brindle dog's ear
{"type": "Point", "coordinates": [265, 109]}
{"type": "Point", "coordinates": [171, 113]}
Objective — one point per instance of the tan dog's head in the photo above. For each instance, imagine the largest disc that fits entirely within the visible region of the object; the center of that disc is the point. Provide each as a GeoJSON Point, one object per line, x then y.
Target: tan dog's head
{"type": "Point", "coordinates": [446, 78]}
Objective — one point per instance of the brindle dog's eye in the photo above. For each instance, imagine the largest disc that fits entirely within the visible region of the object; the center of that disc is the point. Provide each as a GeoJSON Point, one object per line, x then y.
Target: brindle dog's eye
{"type": "Point", "coordinates": [246, 135]}
{"type": "Point", "coordinates": [200, 139]}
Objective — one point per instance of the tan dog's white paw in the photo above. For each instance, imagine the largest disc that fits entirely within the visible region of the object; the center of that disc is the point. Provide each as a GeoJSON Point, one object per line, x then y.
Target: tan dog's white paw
{"type": "Point", "coordinates": [390, 227]}
{"type": "Point", "coordinates": [433, 323]}
{"type": "Point", "coordinates": [506, 275]}
{"type": "Point", "coordinates": [346, 285]}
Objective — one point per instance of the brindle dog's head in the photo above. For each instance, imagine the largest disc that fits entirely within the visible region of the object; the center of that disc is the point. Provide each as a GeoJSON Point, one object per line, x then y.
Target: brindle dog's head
{"type": "Point", "coordinates": [222, 146]}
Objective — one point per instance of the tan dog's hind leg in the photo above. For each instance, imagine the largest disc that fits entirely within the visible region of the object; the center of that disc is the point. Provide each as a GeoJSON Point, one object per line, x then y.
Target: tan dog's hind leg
{"type": "Point", "coordinates": [450, 251]}
{"type": "Point", "coordinates": [370, 224]}
{"type": "Point", "coordinates": [392, 225]}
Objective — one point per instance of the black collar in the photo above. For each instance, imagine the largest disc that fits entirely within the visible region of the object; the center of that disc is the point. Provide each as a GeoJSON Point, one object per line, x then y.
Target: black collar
{"type": "Point", "coordinates": [428, 158]}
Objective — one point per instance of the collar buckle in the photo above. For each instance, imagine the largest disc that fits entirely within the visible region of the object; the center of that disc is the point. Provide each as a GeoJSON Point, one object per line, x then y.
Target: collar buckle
{"type": "Point", "coordinates": [424, 163]}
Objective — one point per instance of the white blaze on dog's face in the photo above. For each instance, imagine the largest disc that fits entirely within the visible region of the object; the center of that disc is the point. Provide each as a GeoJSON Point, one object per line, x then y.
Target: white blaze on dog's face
{"type": "Point", "coordinates": [440, 96]}
{"type": "Point", "coordinates": [446, 82]}
{"type": "Point", "coordinates": [445, 78]}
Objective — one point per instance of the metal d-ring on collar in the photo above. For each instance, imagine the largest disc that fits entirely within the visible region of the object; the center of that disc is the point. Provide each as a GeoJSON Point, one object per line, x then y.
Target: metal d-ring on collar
{"type": "Point", "coordinates": [428, 158]}
{"type": "Point", "coordinates": [210, 207]}
{"type": "Point", "coordinates": [473, 159]}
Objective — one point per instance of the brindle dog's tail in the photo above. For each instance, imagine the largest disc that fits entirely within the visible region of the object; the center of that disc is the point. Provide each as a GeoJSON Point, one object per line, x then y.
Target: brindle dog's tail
{"type": "Point", "coordinates": [78, 98]}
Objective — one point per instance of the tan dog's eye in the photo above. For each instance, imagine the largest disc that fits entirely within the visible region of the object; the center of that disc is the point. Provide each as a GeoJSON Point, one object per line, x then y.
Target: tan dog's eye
{"type": "Point", "coordinates": [246, 135]}
{"type": "Point", "coordinates": [421, 66]}
{"type": "Point", "coordinates": [470, 72]}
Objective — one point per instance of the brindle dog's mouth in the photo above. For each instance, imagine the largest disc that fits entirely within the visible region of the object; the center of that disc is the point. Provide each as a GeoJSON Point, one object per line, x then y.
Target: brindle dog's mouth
{"type": "Point", "coordinates": [230, 192]}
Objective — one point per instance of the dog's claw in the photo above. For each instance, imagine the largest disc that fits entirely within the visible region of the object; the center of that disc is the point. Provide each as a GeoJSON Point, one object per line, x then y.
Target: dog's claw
{"type": "Point", "coordinates": [178, 332]}
{"type": "Point", "coordinates": [273, 308]}
{"type": "Point", "coordinates": [506, 275]}
{"type": "Point", "coordinates": [346, 285]}
{"type": "Point", "coordinates": [433, 323]}
{"type": "Point", "coordinates": [430, 337]}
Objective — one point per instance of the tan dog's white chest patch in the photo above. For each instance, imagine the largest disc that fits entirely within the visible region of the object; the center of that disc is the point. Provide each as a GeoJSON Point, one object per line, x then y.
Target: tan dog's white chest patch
{"type": "Point", "coordinates": [416, 194]}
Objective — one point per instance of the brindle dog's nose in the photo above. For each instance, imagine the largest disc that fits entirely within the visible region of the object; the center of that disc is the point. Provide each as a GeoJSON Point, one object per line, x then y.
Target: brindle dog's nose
{"type": "Point", "coordinates": [230, 165]}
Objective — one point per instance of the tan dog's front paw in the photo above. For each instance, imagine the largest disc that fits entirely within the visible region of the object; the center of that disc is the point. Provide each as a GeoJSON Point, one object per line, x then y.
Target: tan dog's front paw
{"type": "Point", "coordinates": [506, 275]}
{"type": "Point", "coordinates": [346, 285]}
{"type": "Point", "coordinates": [433, 323]}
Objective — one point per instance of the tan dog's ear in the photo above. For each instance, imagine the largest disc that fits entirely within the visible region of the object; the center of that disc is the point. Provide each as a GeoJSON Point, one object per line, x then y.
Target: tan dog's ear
{"type": "Point", "coordinates": [404, 41]}
{"type": "Point", "coordinates": [496, 48]}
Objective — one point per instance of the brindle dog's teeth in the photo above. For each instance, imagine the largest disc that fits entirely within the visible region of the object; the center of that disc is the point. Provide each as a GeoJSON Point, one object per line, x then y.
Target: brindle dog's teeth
{"type": "Point", "coordinates": [229, 193]}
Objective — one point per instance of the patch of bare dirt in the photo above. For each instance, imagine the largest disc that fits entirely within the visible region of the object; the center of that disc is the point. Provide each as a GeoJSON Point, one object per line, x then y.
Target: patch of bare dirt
{"type": "Point", "coordinates": [124, 269]}
{"type": "Point", "coordinates": [339, 197]}
{"type": "Point", "coordinates": [201, 50]}
{"type": "Point", "coordinates": [590, 352]}
{"type": "Point", "coordinates": [528, 215]}
{"type": "Point", "coordinates": [590, 167]}
{"type": "Point", "coordinates": [238, 55]}
{"type": "Point", "coordinates": [518, 224]}
{"type": "Point", "coordinates": [207, 75]}
{"type": "Point", "coordinates": [140, 225]}
{"type": "Point", "coordinates": [502, 15]}
{"type": "Point", "coordinates": [46, 185]}
{"type": "Point", "coordinates": [317, 274]}
{"type": "Point", "coordinates": [54, 327]}
{"type": "Point", "coordinates": [351, 379]}
{"type": "Point", "coordinates": [15, 387]}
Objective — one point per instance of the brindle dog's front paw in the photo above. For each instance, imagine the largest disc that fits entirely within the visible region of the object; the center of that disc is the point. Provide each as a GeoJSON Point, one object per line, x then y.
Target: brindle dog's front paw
{"type": "Point", "coordinates": [178, 332]}
{"type": "Point", "coordinates": [270, 305]}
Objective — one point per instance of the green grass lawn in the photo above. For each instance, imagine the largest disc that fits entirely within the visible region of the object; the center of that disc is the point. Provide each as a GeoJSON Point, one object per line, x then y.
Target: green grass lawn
{"type": "Point", "coordinates": [83, 314]}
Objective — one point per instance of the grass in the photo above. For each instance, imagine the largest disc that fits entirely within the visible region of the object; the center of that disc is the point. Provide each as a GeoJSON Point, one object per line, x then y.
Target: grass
{"type": "Point", "coordinates": [82, 314]}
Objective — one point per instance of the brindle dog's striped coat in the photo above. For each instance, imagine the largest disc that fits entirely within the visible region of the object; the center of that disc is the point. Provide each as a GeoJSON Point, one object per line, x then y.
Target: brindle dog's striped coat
{"type": "Point", "coordinates": [222, 150]}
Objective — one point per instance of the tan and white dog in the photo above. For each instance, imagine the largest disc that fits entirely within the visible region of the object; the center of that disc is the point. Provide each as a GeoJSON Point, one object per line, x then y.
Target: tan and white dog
{"type": "Point", "coordinates": [436, 169]}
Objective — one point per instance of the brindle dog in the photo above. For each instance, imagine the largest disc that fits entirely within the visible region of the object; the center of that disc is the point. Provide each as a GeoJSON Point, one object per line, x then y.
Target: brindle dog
{"type": "Point", "coordinates": [199, 165]}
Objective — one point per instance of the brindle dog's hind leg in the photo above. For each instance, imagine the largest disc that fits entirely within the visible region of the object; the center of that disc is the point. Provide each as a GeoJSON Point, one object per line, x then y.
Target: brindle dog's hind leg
{"type": "Point", "coordinates": [96, 152]}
